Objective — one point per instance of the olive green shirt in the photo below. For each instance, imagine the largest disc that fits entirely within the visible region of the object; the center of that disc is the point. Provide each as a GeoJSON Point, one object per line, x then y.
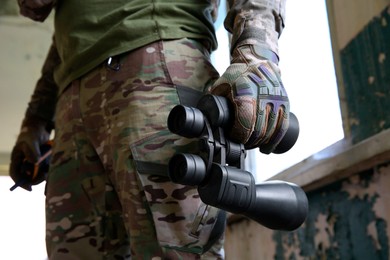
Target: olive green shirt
{"type": "Point", "coordinates": [88, 32]}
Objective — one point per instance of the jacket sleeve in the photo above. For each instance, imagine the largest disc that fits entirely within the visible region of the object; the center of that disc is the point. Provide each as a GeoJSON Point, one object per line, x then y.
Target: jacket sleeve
{"type": "Point", "coordinates": [43, 100]}
{"type": "Point", "coordinates": [256, 22]}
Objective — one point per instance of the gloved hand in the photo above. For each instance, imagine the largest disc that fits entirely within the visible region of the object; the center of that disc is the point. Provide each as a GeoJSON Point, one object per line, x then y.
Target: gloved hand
{"type": "Point", "coordinates": [32, 135]}
{"type": "Point", "coordinates": [37, 10]}
{"type": "Point", "coordinates": [253, 85]}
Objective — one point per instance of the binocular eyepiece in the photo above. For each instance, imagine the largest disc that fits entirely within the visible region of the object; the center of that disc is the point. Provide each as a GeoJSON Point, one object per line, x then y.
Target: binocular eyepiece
{"type": "Point", "coordinates": [218, 169]}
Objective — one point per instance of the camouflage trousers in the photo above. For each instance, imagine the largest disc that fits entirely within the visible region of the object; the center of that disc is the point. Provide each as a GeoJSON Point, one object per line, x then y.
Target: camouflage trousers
{"type": "Point", "coordinates": [108, 194]}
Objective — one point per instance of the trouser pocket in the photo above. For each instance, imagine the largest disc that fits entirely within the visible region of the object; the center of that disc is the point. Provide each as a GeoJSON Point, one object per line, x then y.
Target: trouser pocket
{"type": "Point", "coordinates": [181, 219]}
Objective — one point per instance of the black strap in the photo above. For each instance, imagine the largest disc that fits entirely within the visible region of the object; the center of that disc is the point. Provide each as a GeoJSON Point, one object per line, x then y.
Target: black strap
{"type": "Point", "coordinates": [188, 96]}
{"type": "Point", "coordinates": [152, 168]}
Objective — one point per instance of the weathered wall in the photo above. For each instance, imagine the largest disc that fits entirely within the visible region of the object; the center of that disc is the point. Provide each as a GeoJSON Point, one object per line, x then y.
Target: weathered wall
{"type": "Point", "coordinates": [360, 33]}
{"type": "Point", "coordinates": [348, 218]}
{"type": "Point", "coordinates": [365, 63]}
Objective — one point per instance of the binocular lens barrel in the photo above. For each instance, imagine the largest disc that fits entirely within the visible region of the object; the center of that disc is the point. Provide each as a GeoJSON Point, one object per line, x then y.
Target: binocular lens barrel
{"type": "Point", "coordinates": [279, 205]}
{"type": "Point", "coordinates": [274, 204]}
{"type": "Point", "coordinates": [186, 121]}
{"type": "Point", "coordinates": [187, 169]}
{"type": "Point", "coordinates": [290, 137]}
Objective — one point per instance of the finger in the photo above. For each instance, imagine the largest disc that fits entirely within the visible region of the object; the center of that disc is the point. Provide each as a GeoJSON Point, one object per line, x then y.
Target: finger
{"type": "Point", "coordinates": [261, 125]}
{"type": "Point", "coordinates": [244, 119]}
{"type": "Point", "coordinates": [281, 126]}
{"type": "Point", "coordinates": [244, 112]}
{"type": "Point", "coordinates": [272, 123]}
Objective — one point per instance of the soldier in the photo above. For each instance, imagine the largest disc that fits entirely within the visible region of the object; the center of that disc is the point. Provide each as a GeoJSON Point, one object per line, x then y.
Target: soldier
{"type": "Point", "coordinates": [112, 75]}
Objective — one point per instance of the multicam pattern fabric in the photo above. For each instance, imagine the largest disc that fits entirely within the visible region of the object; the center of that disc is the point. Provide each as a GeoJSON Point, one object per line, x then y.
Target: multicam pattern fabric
{"type": "Point", "coordinates": [101, 204]}
{"type": "Point", "coordinates": [256, 23]}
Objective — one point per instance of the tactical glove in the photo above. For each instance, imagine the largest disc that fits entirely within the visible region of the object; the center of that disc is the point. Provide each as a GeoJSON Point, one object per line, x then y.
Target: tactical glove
{"type": "Point", "coordinates": [253, 85]}
{"type": "Point", "coordinates": [33, 134]}
{"type": "Point", "coordinates": [252, 82]}
{"type": "Point", "coordinates": [37, 10]}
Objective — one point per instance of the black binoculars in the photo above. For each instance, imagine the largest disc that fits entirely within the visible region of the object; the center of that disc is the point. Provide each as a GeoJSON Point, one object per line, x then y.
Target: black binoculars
{"type": "Point", "coordinates": [218, 170]}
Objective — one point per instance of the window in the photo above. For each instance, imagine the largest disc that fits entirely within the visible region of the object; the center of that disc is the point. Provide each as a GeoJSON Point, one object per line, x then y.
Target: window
{"type": "Point", "coordinates": [22, 222]}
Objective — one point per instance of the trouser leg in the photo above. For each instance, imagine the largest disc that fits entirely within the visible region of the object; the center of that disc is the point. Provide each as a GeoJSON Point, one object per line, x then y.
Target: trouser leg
{"type": "Point", "coordinates": [83, 213]}
{"type": "Point", "coordinates": [125, 141]}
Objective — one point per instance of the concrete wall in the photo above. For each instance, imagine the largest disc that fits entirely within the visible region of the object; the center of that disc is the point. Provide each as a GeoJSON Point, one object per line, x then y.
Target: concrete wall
{"type": "Point", "coordinates": [23, 48]}
{"type": "Point", "coordinates": [347, 184]}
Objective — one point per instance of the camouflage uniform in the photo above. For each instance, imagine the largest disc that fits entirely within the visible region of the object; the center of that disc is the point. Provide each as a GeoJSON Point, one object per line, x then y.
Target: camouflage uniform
{"type": "Point", "coordinates": [110, 153]}
{"type": "Point", "coordinates": [108, 194]}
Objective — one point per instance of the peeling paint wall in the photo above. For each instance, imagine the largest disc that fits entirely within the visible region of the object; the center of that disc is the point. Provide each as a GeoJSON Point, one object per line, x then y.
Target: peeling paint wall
{"type": "Point", "coordinates": [349, 219]}
{"type": "Point", "coordinates": [365, 63]}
